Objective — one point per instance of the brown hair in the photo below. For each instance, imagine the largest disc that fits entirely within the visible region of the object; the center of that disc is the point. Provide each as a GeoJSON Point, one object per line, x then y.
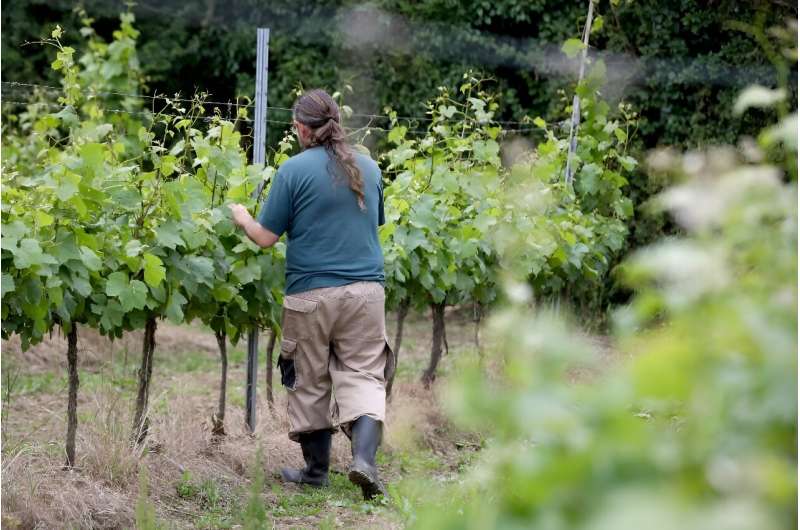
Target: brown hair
{"type": "Point", "coordinates": [320, 113]}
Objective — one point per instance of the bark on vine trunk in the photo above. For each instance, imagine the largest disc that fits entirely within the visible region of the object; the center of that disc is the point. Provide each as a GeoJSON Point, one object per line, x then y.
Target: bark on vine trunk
{"type": "Point", "coordinates": [218, 421]}
{"type": "Point", "coordinates": [140, 421]}
{"type": "Point", "coordinates": [72, 403]}
{"type": "Point", "coordinates": [402, 312]}
{"type": "Point", "coordinates": [437, 311]}
{"type": "Point", "coordinates": [273, 337]}
{"type": "Point", "coordinates": [477, 316]}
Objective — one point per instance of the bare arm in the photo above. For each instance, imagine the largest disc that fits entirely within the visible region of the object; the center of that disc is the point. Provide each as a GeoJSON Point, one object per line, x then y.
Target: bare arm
{"type": "Point", "coordinates": [258, 234]}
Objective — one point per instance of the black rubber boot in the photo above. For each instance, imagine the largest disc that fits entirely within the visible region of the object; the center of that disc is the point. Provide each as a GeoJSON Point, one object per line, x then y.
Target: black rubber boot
{"type": "Point", "coordinates": [316, 446]}
{"type": "Point", "coordinates": [365, 438]}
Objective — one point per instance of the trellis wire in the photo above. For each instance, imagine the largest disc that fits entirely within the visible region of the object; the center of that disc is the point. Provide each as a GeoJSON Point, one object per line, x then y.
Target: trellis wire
{"type": "Point", "coordinates": [222, 103]}
{"type": "Point", "coordinates": [412, 132]}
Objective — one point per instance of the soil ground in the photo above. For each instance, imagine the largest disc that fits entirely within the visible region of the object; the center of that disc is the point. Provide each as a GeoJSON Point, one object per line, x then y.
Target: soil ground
{"type": "Point", "coordinates": [186, 476]}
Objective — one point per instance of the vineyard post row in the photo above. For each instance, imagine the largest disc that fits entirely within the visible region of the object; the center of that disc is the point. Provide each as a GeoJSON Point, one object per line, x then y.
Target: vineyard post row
{"type": "Point", "coordinates": [168, 249]}
{"type": "Point", "coordinates": [259, 157]}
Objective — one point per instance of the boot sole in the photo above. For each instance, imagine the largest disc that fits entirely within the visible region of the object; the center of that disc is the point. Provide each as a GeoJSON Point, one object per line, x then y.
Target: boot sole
{"type": "Point", "coordinates": [368, 487]}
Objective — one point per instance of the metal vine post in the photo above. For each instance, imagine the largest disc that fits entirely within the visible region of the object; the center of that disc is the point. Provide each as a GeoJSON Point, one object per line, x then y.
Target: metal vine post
{"type": "Point", "coordinates": [259, 157]}
{"type": "Point", "coordinates": [576, 100]}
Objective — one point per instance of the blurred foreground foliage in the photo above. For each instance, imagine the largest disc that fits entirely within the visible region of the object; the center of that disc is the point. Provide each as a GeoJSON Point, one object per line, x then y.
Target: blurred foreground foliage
{"type": "Point", "coordinates": [694, 424]}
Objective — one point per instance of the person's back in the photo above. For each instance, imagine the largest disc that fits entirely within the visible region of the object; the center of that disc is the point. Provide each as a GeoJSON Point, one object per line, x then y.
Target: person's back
{"type": "Point", "coordinates": [331, 240]}
{"type": "Point", "coordinates": [329, 202]}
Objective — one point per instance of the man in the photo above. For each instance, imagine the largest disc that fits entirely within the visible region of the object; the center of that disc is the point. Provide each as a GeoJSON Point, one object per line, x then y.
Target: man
{"type": "Point", "coordinates": [329, 201]}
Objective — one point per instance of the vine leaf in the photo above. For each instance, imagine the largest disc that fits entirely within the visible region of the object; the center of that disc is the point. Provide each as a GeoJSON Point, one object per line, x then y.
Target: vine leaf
{"type": "Point", "coordinates": [154, 271]}
{"type": "Point", "coordinates": [572, 47]}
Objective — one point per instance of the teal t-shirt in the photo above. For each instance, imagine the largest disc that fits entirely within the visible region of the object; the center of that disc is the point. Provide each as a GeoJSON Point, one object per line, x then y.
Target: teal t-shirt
{"type": "Point", "coordinates": [330, 240]}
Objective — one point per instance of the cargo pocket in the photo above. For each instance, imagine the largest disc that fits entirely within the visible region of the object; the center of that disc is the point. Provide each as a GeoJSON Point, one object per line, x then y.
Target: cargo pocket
{"type": "Point", "coordinates": [296, 316]}
{"type": "Point", "coordinates": [286, 364]}
{"type": "Point", "coordinates": [391, 361]}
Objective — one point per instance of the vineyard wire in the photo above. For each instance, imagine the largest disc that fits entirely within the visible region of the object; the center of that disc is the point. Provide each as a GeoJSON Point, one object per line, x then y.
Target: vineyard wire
{"type": "Point", "coordinates": [231, 103]}
{"type": "Point", "coordinates": [247, 120]}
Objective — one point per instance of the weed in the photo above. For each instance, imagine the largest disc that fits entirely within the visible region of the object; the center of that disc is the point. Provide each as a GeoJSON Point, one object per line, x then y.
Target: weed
{"type": "Point", "coordinates": [255, 514]}
{"type": "Point", "coordinates": [145, 511]}
{"type": "Point", "coordinates": [186, 488]}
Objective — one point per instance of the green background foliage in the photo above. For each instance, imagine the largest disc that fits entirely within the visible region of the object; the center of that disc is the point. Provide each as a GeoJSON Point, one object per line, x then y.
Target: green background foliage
{"type": "Point", "coordinates": [688, 59]}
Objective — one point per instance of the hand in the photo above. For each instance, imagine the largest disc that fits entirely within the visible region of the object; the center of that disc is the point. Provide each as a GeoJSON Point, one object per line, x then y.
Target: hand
{"type": "Point", "coordinates": [240, 214]}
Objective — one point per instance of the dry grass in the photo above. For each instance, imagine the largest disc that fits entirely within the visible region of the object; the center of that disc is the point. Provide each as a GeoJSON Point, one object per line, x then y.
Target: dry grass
{"type": "Point", "coordinates": [102, 491]}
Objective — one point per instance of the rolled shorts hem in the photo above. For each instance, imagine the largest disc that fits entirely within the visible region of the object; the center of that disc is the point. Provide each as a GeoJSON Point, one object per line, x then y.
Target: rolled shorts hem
{"type": "Point", "coordinates": [295, 435]}
{"type": "Point", "coordinates": [345, 424]}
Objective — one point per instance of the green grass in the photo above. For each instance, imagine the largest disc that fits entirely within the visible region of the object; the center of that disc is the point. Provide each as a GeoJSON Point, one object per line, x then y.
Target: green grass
{"type": "Point", "coordinates": [188, 362]}
{"type": "Point", "coordinates": [216, 505]}
{"type": "Point", "coordinates": [412, 463]}
{"type": "Point", "coordinates": [33, 383]}
{"type": "Point", "coordinates": [311, 501]}
{"type": "Point", "coordinates": [238, 356]}
{"type": "Point", "coordinates": [213, 503]}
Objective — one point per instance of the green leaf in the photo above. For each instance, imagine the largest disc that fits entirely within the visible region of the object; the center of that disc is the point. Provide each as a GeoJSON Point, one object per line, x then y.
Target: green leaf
{"type": "Point", "coordinates": [93, 155]}
{"type": "Point", "coordinates": [81, 286]}
{"type": "Point", "coordinates": [101, 131]}
{"type": "Point", "coordinates": [159, 294]}
{"type": "Point", "coordinates": [55, 295]}
{"type": "Point", "coordinates": [596, 76]}
{"type": "Point", "coordinates": [486, 150]}
{"type": "Point", "coordinates": [134, 297]}
{"type": "Point", "coordinates": [133, 248]}
{"type": "Point", "coordinates": [224, 293]}
{"type": "Point", "coordinates": [201, 269]}
{"type": "Point", "coordinates": [67, 185]}
{"type": "Point", "coordinates": [116, 284]}
{"type": "Point", "coordinates": [112, 315]}
{"type": "Point", "coordinates": [154, 271]}
{"type": "Point", "coordinates": [624, 208]}
{"type": "Point", "coordinates": [447, 111]}
{"type": "Point", "coordinates": [246, 272]}
{"type": "Point", "coordinates": [29, 253]}
{"type": "Point", "coordinates": [588, 178]}
{"type": "Point", "coordinates": [174, 311]}
{"type": "Point", "coordinates": [539, 122]}
{"type": "Point", "coordinates": [168, 165]}
{"type": "Point", "coordinates": [168, 235]}
{"type": "Point", "coordinates": [597, 23]}
{"type": "Point", "coordinates": [245, 246]}
{"type": "Point", "coordinates": [397, 134]}
{"type": "Point", "coordinates": [13, 231]}
{"type": "Point", "coordinates": [572, 47]}
{"type": "Point", "coordinates": [31, 290]}
{"type": "Point", "coordinates": [43, 218]}
{"type": "Point", "coordinates": [7, 284]}
{"type": "Point", "coordinates": [627, 162]}
{"type": "Point", "coordinates": [90, 259]}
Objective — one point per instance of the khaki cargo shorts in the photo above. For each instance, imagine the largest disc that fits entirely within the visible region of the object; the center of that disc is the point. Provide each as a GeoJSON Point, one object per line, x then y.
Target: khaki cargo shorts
{"type": "Point", "coordinates": [335, 357]}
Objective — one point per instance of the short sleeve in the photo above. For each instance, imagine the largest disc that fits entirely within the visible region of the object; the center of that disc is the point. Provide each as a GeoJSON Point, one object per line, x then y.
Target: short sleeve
{"type": "Point", "coordinates": [276, 208]}
{"type": "Point", "coordinates": [381, 215]}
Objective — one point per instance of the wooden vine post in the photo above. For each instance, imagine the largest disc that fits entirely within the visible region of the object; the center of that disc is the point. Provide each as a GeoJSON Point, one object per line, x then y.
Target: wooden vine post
{"type": "Point", "coordinates": [72, 403]}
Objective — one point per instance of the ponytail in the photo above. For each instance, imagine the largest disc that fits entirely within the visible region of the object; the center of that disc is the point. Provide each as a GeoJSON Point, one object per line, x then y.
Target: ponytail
{"type": "Point", "coordinates": [318, 111]}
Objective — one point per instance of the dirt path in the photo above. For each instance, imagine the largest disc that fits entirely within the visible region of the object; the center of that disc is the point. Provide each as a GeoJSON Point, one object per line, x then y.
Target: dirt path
{"type": "Point", "coordinates": [193, 480]}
